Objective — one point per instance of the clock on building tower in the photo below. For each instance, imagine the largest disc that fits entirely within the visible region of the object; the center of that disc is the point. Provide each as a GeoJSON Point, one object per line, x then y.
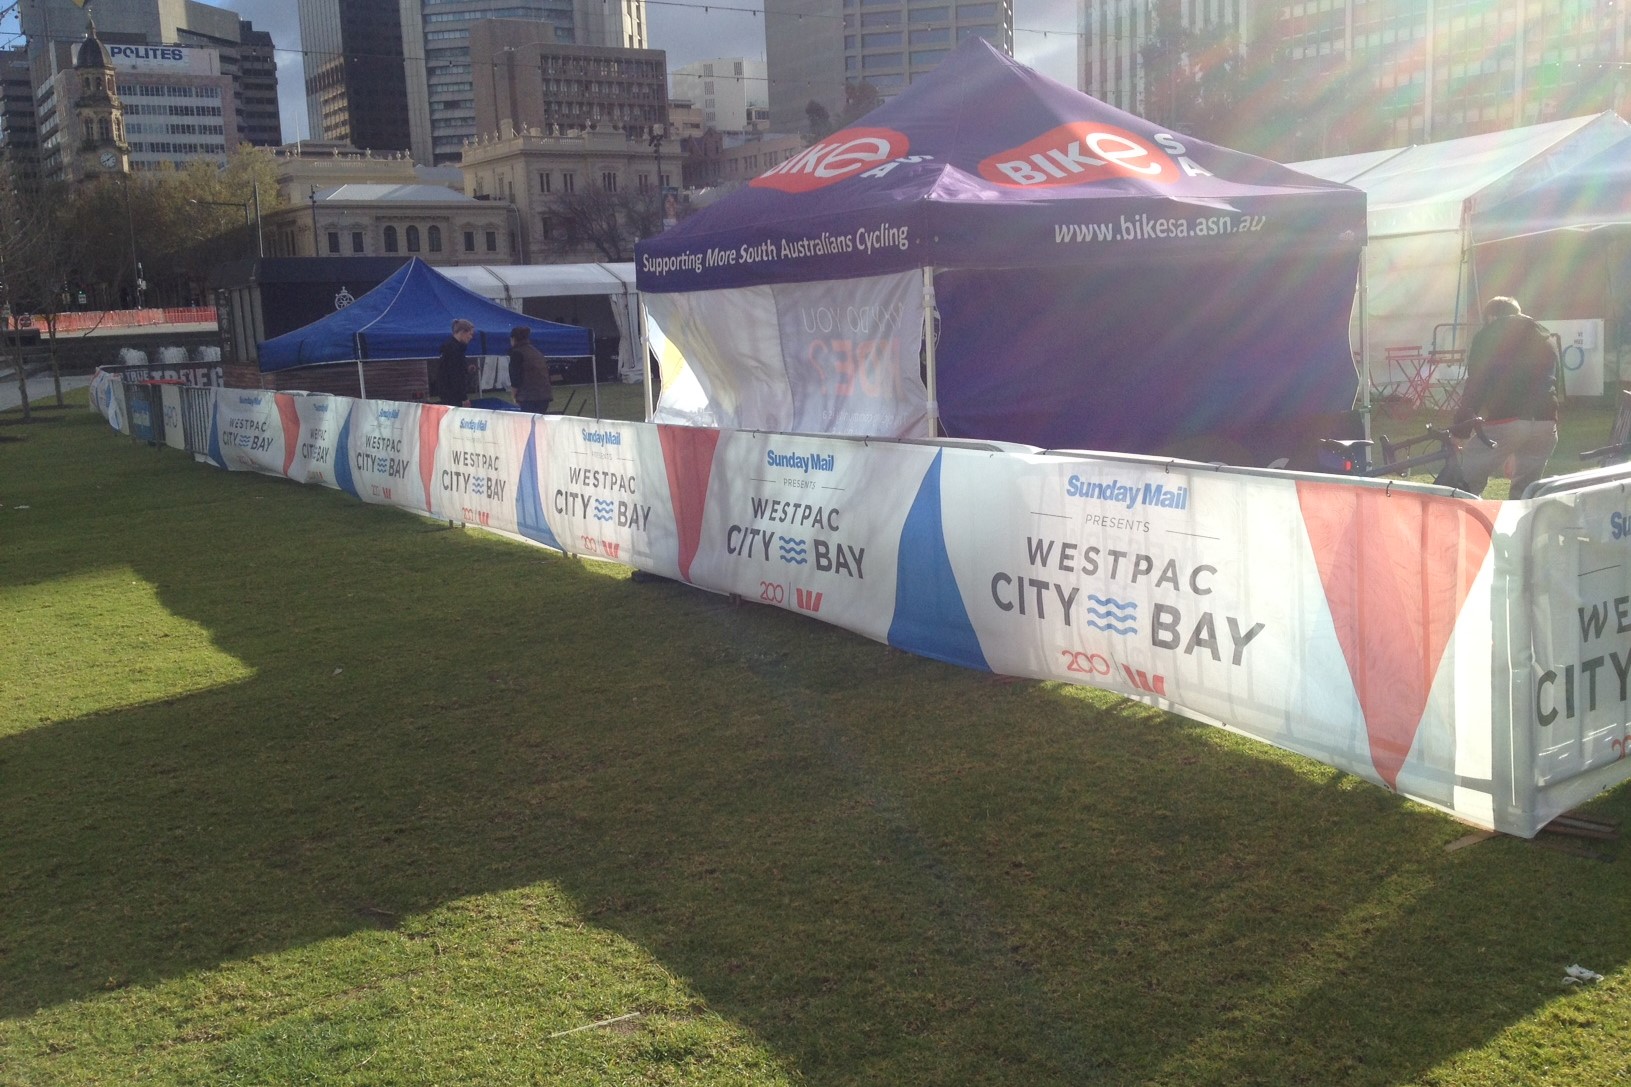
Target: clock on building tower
{"type": "Point", "coordinates": [99, 116]}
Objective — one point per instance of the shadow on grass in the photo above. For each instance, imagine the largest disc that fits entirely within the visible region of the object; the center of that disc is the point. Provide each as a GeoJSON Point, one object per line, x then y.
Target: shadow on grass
{"type": "Point", "coordinates": [890, 870]}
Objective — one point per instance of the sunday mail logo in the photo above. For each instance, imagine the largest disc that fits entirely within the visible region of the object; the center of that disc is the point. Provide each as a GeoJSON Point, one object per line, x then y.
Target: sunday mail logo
{"type": "Point", "coordinates": [831, 160]}
{"type": "Point", "coordinates": [1080, 153]}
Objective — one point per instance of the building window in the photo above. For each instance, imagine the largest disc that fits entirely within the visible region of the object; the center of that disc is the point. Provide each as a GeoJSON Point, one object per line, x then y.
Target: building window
{"type": "Point", "coordinates": [334, 242]}
{"type": "Point", "coordinates": [470, 241]}
{"type": "Point", "coordinates": [608, 181]}
{"type": "Point", "coordinates": [492, 241]}
{"type": "Point", "coordinates": [413, 239]}
{"type": "Point", "coordinates": [356, 241]}
{"type": "Point", "coordinates": [543, 180]}
{"type": "Point", "coordinates": [569, 181]}
{"type": "Point", "coordinates": [434, 237]}
{"type": "Point", "coordinates": [390, 239]}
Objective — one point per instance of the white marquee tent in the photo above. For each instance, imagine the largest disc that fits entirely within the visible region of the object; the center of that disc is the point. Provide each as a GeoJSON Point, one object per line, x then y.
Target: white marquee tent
{"type": "Point", "coordinates": [513, 284]}
{"type": "Point", "coordinates": [1422, 201]}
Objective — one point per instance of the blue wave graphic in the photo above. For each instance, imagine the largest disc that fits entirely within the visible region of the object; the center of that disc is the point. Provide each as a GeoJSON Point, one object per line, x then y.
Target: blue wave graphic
{"type": "Point", "coordinates": [793, 550]}
{"type": "Point", "coordinates": [1111, 628]}
{"type": "Point", "coordinates": [1113, 615]}
{"type": "Point", "coordinates": [603, 509]}
{"type": "Point", "coordinates": [1112, 602]}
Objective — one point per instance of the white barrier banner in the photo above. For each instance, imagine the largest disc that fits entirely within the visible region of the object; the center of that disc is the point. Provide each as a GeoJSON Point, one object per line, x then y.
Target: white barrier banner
{"type": "Point", "coordinates": [379, 441]}
{"type": "Point", "coordinates": [1238, 598]}
{"type": "Point", "coordinates": [603, 491]}
{"type": "Point", "coordinates": [1578, 681]}
{"type": "Point", "coordinates": [473, 463]}
{"type": "Point", "coordinates": [319, 421]}
{"type": "Point", "coordinates": [254, 432]}
{"type": "Point", "coordinates": [1475, 656]}
{"type": "Point", "coordinates": [170, 400]}
{"type": "Point", "coordinates": [810, 524]}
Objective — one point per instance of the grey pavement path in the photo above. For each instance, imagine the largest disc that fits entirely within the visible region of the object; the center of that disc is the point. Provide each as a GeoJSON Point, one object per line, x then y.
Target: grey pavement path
{"type": "Point", "coordinates": [41, 390]}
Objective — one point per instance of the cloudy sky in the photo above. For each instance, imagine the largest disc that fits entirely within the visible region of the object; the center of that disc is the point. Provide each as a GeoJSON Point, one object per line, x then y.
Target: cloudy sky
{"type": "Point", "coordinates": [688, 34]}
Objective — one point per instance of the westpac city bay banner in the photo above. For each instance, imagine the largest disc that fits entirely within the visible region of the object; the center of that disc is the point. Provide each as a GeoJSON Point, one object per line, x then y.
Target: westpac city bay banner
{"type": "Point", "coordinates": [1474, 656]}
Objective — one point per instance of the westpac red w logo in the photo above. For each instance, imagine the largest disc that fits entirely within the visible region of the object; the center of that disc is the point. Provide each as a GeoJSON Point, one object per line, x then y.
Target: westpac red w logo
{"type": "Point", "coordinates": [806, 599]}
{"type": "Point", "coordinates": [1078, 153]}
{"type": "Point", "coordinates": [829, 161]}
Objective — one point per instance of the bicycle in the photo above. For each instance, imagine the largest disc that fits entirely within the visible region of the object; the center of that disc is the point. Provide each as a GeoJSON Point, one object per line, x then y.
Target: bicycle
{"type": "Point", "coordinates": [1351, 457]}
{"type": "Point", "coordinates": [1619, 437]}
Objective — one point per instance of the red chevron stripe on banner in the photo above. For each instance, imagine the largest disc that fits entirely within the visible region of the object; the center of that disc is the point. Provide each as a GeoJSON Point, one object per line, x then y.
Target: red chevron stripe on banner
{"type": "Point", "coordinates": [688, 455]}
{"type": "Point", "coordinates": [289, 414]}
{"type": "Point", "coordinates": [430, 433]}
{"type": "Point", "coordinates": [1396, 568]}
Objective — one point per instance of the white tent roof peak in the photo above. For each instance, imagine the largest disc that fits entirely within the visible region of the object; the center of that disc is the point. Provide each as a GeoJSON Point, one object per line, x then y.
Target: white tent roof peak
{"type": "Point", "coordinates": [1425, 187]}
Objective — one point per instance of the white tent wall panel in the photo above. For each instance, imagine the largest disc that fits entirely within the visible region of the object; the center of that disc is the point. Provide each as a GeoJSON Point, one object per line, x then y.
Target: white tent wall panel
{"type": "Point", "coordinates": [1421, 202]}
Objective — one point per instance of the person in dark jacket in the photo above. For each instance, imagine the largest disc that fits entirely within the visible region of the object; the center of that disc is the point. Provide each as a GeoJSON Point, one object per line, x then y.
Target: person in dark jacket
{"type": "Point", "coordinates": [529, 373]}
{"type": "Point", "coordinates": [450, 380]}
{"type": "Point", "coordinates": [1512, 385]}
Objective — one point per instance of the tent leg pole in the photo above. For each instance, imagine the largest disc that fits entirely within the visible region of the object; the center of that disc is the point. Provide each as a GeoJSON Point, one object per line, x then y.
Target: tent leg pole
{"type": "Point", "coordinates": [1364, 344]}
{"type": "Point", "coordinates": [645, 356]}
{"type": "Point", "coordinates": [929, 380]}
{"type": "Point", "coordinates": [362, 385]}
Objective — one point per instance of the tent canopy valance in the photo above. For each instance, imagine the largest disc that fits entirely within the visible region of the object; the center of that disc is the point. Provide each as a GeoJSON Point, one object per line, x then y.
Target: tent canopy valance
{"type": "Point", "coordinates": [409, 316]}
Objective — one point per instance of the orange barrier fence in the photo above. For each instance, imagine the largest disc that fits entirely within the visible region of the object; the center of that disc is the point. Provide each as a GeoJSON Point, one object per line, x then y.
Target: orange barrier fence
{"type": "Point", "coordinates": [84, 320]}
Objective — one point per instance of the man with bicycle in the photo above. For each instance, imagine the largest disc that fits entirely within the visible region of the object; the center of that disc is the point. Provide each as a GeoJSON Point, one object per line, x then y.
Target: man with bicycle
{"type": "Point", "coordinates": [1512, 384]}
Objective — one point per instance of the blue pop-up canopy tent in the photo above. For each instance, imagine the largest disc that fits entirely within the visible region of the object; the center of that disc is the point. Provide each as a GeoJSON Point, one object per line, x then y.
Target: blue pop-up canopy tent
{"type": "Point", "coordinates": [409, 316]}
{"type": "Point", "coordinates": [1099, 281]}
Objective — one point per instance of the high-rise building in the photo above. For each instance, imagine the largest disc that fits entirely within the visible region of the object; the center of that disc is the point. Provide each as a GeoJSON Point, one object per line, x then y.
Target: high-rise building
{"type": "Point", "coordinates": [523, 80]}
{"type": "Point", "coordinates": [450, 78]}
{"type": "Point", "coordinates": [359, 71]}
{"type": "Point", "coordinates": [19, 133]}
{"type": "Point", "coordinates": [245, 55]}
{"type": "Point", "coordinates": [1364, 75]}
{"type": "Point", "coordinates": [259, 121]}
{"type": "Point", "coordinates": [804, 54]}
{"type": "Point", "coordinates": [816, 47]}
{"type": "Point", "coordinates": [732, 93]}
{"type": "Point", "coordinates": [176, 104]}
{"type": "Point", "coordinates": [1114, 34]}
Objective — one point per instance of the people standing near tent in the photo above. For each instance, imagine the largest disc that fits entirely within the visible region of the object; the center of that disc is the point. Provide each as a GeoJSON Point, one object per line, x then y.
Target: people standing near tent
{"type": "Point", "coordinates": [1512, 384]}
{"type": "Point", "coordinates": [450, 383]}
{"type": "Point", "coordinates": [529, 371]}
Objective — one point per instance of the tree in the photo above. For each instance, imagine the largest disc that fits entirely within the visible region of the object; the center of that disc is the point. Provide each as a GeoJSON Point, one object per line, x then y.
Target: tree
{"type": "Point", "coordinates": [819, 120]}
{"type": "Point", "coordinates": [589, 220]}
{"type": "Point", "coordinates": [860, 99]}
{"type": "Point", "coordinates": [1195, 78]}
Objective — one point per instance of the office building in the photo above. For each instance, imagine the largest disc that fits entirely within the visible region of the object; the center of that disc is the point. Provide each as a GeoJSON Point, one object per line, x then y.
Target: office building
{"type": "Point", "coordinates": [175, 102]}
{"type": "Point", "coordinates": [1365, 75]}
{"type": "Point", "coordinates": [244, 55]}
{"type": "Point", "coordinates": [363, 72]}
{"type": "Point", "coordinates": [804, 55]}
{"type": "Point", "coordinates": [452, 78]}
{"type": "Point", "coordinates": [522, 79]}
{"type": "Point", "coordinates": [733, 94]}
{"type": "Point", "coordinates": [887, 44]}
{"type": "Point", "coordinates": [19, 133]}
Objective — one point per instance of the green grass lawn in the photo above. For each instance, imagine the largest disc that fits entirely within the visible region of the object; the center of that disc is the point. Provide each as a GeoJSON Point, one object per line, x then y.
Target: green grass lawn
{"type": "Point", "coordinates": [299, 790]}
